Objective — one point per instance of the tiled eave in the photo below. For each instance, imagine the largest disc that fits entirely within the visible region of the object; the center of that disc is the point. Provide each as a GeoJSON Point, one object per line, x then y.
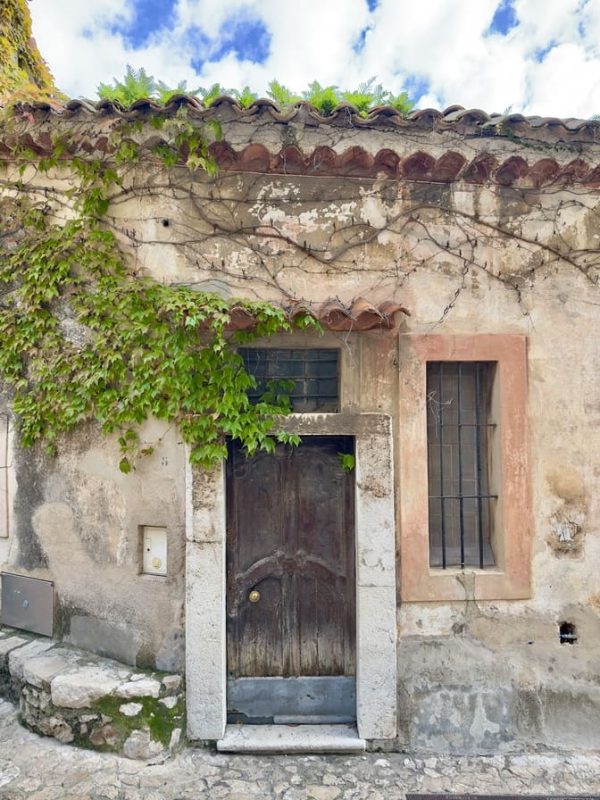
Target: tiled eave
{"type": "Point", "coordinates": [418, 166]}
{"type": "Point", "coordinates": [456, 118]}
{"type": "Point", "coordinates": [324, 161]}
{"type": "Point", "coordinates": [333, 315]}
{"type": "Point", "coordinates": [430, 146]}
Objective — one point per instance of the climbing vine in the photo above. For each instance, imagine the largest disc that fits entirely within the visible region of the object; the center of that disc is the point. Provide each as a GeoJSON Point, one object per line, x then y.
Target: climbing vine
{"type": "Point", "coordinates": [84, 339]}
{"type": "Point", "coordinates": [23, 72]}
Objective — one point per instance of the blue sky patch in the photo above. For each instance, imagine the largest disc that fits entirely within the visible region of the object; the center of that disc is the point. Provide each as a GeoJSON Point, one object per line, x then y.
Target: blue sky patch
{"type": "Point", "coordinates": [247, 37]}
{"type": "Point", "coordinates": [149, 17]}
{"type": "Point", "coordinates": [504, 19]}
{"type": "Point", "coordinates": [372, 4]}
{"type": "Point", "coordinates": [540, 54]}
{"type": "Point", "coordinates": [360, 42]}
{"type": "Point", "coordinates": [416, 86]}
{"type": "Point", "coordinates": [198, 42]}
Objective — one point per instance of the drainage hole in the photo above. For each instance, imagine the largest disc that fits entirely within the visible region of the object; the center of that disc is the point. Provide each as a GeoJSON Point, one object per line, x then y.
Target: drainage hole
{"type": "Point", "coordinates": [567, 633]}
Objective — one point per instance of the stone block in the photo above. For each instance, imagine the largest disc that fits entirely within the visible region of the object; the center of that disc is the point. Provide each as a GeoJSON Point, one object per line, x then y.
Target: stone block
{"type": "Point", "coordinates": [56, 727]}
{"type": "Point", "coordinates": [147, 687]}
{"type": "Point", "coordinates": [205, 504]}
{"type": "Point", "coordinates": [105, 735]}
{"type": "Point", "coordinates": [375, 523]}
{"type": "Point", "coordinates": [18, 658]}
{"type": "Point", "coordinates": [40, 670]}
{"type": "Point", "coordinates": [175, 739]}
{"type": "Point", "coordinates": [290, 739]}
{"type": "Point", "coordinates": [82, 688]}
{"type": "Point", "coordinates": [140, 745]}
{"type": "Point", "coordinates": [131, 709]}
{"type": "Point", "coordinates": [172, 683]}
{"type": "Point", "coordinates": [7, 645]}
{"type": "Point", "coordinates": [376, 663]}
{"type": "Point", "coordinates": [205, 638]}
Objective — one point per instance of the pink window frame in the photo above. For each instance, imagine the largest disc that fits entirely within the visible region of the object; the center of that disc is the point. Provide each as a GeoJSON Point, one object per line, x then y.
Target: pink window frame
{"type": "Point", "coordinates": [510, 579]}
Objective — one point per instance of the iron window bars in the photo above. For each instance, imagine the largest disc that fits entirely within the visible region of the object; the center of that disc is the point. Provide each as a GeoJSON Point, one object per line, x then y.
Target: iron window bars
{"type": "Point", "coordinates": [314, 372]}
{"type": "Point", "coordinates": [460, 431]}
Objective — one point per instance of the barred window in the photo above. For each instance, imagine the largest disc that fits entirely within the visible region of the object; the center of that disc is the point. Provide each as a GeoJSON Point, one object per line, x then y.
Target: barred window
{"type": "Point", "coordinates": [314, 373]}
{"type": "Point", "coordinates": [460, 444]}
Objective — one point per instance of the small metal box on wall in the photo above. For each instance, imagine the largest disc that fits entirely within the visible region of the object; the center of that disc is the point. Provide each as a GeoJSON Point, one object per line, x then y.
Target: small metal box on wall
{"type": "Point", "coordinates": [154, 550]}
{"type": "Point", "coordinates": [27, 603]}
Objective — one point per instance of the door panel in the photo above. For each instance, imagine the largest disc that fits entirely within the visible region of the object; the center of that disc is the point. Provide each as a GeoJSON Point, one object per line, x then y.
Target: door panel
{"type": "Point", "coordinates": [291, 539]}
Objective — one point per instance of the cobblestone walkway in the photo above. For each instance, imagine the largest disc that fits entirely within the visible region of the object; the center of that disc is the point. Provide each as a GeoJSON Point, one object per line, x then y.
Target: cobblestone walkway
{"type": "Point", "coordinates": [35, 768]}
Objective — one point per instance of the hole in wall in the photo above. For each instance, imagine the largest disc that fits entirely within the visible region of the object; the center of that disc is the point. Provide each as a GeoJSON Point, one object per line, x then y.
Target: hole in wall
{"type": "Point", "coordinates": [567, 633]}
{"type": "Point", "coordinates": [166, 223]}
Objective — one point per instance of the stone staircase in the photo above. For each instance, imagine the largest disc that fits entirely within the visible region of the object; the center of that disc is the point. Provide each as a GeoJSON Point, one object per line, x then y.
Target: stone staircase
{"type": "Point", "coordinates": [89, 701]}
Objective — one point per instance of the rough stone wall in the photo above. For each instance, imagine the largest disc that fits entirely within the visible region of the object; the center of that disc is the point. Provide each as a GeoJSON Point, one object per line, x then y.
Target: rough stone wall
{"type": "Point", "coordinates": [463, 258]}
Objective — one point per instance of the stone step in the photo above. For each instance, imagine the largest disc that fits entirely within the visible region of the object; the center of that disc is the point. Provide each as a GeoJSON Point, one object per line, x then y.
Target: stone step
{"type": "Point", "coordinates": [74, 695]}
{"type": "Point", "coordinates": [291, 739]}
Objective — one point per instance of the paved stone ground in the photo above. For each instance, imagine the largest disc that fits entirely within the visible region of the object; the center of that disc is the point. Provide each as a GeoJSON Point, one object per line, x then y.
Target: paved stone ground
{"type": "Point", "coordinates": [35, 768]}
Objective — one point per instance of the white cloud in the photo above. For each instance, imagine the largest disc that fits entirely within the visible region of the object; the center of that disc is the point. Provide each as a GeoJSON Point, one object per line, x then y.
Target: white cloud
{"type": "Point", "coordinates": [444, 42]}
{"type": "Point", "coordinates": [568, 78]}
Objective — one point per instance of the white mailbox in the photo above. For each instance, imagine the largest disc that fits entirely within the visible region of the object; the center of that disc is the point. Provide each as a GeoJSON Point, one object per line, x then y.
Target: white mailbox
{"type": "Point", "coordinates": [154, 550]}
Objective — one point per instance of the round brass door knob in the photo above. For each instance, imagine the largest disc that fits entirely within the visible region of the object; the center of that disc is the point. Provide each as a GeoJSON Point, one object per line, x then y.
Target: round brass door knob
{"type": "Point", "coordinates": [254, 596]}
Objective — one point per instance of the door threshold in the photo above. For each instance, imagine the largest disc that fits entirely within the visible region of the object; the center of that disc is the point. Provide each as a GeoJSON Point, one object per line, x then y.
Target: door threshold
{"type": "Point", "coordinates": [291, 739]}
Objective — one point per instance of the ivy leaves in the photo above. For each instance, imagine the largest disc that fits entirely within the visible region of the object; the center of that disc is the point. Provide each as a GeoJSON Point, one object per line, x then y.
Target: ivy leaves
{"type": "Point", "coordinates": [83, 340]}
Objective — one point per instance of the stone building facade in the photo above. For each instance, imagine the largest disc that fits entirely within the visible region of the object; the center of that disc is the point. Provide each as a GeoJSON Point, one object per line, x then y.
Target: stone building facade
{"type": "Point", "coordinates": [453, 260]}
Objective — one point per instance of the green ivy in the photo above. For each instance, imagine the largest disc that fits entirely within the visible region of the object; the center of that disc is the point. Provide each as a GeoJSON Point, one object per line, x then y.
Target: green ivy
{"type": "Point", "coordinates": [347, 461]}
{"type": "Point", "coordinates": [140, 349]}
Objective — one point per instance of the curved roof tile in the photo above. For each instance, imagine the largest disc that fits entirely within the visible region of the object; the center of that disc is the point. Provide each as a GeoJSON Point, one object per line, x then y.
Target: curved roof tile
{"type": "Point", "coordinates": [359, 315]}
{"type": "Point", "coordinates": [355, 161]}
{"type": "Point", "coordinates": [453, 117]}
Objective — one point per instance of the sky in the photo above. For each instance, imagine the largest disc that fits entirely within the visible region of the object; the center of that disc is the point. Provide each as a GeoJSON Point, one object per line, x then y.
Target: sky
{"type": "Point", "coordinates": [528, 56]}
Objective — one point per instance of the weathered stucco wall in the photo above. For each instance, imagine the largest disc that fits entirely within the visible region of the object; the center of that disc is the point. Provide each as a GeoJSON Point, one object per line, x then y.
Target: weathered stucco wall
{"type": "Point", "coordinates": [76, 519]}
{"type": "Point", "coordinates": [464, 258]}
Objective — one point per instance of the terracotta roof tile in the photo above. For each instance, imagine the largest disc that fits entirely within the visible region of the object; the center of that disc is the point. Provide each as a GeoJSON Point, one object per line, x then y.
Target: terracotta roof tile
{"type": "Point", "coordinates": [453, 117]}
{"type": "Point", "coordinates": [512, 170]}
{"type": "Point", "coordinates": [359, 315]}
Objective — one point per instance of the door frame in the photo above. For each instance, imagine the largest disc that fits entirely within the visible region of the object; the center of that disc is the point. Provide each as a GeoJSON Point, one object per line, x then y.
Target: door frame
{"type": "Point", "coordinates": [376, 634]}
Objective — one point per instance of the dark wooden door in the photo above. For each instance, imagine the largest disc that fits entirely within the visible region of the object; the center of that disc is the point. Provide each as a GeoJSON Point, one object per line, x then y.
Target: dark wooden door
{"type": "Point", "coordinates": [291, 542]}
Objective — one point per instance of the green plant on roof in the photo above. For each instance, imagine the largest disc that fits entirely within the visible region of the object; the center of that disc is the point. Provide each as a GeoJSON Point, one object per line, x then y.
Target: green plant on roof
{"type": "Point", "coordinates": [208, 96]}
{"type": "Point", "coordinates": [246, 97]}
{"type": "Point", "coordinates": [282, 95]}
{"type": "Point", "coordinates": [163, 92]}
{"type": "Point", "coordinates": [138, 85]}
{"type": "Point", "coordinates": [323, 98]}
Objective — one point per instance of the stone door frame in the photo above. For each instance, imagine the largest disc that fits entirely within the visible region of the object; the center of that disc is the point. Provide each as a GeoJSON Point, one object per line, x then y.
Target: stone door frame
{"type": "Point", "coordinates": [376, 636]}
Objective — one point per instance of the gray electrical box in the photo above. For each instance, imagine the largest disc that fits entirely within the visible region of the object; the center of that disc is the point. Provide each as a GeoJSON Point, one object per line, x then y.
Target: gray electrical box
{"type": "Point", "coordinates": [27, 603]}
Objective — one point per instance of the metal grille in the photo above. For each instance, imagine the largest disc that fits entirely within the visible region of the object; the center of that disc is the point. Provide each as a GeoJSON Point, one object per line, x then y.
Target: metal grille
{"type": "Point", "coordinates": [314, 373]}
{"type": "Point", "coordinates": [460, 434]}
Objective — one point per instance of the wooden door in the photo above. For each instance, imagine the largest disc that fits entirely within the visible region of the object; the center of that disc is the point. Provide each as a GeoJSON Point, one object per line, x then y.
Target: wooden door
{"type": "Point", "coordinates": [290, 549]}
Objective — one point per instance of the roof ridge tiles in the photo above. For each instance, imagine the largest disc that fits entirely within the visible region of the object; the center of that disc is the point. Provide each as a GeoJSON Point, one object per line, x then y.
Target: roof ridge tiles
{"type": "Point", "coordinates": [450, 115]}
